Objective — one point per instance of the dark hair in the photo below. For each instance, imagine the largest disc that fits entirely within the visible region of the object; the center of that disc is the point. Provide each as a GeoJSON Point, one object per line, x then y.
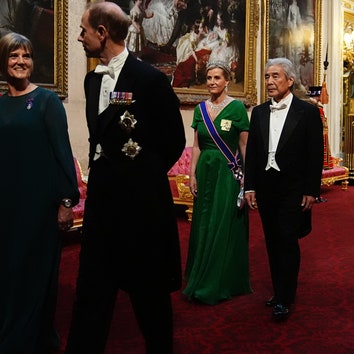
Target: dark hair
{"type": "Point", "coordinates": [8, 44]}
{"type": "Point", "coordinates": [116, 22]}
{"type": "Point", "coordinates": [195, 26]}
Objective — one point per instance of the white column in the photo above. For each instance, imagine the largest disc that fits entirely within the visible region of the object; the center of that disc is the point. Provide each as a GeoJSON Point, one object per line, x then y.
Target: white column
{"type": "Point", "coordinates": [332, 24]}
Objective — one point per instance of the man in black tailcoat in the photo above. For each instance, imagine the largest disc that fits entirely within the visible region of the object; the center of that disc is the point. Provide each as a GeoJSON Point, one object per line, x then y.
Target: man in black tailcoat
{"type": "Point", "coordinates": [283, 170]}
{"type": "Point", "coordinates": [130, 236]}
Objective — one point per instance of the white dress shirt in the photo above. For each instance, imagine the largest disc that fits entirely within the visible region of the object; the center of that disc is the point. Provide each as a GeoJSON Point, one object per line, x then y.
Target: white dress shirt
{"type": "Point", "coordinates": [107, 85]}
{"type": "Point", "coordinates": [279, 111]}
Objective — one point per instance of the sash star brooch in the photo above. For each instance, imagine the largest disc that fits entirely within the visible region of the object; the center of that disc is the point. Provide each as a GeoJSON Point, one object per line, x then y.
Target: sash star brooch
{"type": "Point", "coordinates": [225, 124]}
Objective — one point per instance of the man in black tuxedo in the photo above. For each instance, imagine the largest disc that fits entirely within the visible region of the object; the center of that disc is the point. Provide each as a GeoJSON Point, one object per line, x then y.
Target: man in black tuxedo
{"type": "Point", "coordinates": [130, 236]}
{"type": "Point", "coordinates": [283, 169]}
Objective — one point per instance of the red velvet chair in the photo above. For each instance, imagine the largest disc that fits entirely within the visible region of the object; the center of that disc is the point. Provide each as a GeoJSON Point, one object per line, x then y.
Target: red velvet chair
{"type": "Point", "coordinates": [178, 177]}
{"type": "Point", "coordinates": [335, 174]}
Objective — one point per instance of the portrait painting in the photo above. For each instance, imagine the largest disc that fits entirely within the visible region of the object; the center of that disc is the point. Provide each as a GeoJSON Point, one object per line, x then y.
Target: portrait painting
{"type": "Point", "coordinates": [179, 37]}
{"type": "Point", "coordinates": [44, 22]}
{"type": "Point", "coordinates": [293, 31]}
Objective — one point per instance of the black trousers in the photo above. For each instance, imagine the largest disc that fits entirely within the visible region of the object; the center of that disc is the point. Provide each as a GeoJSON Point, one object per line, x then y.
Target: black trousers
{"type": "Point", "coordinates": [96, 293]}
{"type": "Point", "coordinates": [282, 219]}
{"type": "Point", "coordinates": [283, 256]}
{"type": "Point", "coordinates": [91, 322]}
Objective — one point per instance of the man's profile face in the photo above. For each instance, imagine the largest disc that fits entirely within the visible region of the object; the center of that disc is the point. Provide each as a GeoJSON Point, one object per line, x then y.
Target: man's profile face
{"type": "Point", "coordinates": [89, 37]}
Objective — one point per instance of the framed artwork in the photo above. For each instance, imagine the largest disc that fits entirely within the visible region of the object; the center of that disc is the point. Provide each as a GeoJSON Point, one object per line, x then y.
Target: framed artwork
{"type": "Point", "coordinates": [293, 30]}
{"type": "Point", "coordinates": [181, 36]}
{"type": "Point", "coordinates": [45, 23]}
{"type": "Point", "coordinates": [348, 41]}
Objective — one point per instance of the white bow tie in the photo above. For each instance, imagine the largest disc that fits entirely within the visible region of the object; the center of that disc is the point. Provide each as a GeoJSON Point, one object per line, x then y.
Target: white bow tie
{"type": "Point", "coordinates": [277, 108]}
{"type": "Point", "coordinates": [104, 69]}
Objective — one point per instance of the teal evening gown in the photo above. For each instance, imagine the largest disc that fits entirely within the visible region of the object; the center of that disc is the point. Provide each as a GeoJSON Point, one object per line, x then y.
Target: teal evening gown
{"type": "Point", "coordinates": [37, 170]}
{"type": "Point", "coordinates": [218, 264]}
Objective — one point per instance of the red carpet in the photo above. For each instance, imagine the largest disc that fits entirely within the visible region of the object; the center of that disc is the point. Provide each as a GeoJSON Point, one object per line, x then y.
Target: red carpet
{"type": "Point", "coordinates": [323, 321]}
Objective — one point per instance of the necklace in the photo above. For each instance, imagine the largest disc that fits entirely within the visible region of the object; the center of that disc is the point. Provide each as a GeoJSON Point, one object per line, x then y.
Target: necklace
{"type": "Point", "coordinates": [217, 107]}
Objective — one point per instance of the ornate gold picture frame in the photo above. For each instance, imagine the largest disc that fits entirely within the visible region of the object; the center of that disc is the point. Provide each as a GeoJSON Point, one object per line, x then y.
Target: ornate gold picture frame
{"type": "Point", "coordinates": [245, 30]}
{"type": "Point", "coordinates": [47, 30]}
{"type": "Point", "coordinates": [292, 29]}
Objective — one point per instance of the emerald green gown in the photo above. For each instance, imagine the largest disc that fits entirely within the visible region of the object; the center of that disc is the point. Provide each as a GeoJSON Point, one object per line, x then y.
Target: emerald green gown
{"type": "Point", "coordinates": [37, 170]}
{"type": "Point", "coordinates": [217, 263]}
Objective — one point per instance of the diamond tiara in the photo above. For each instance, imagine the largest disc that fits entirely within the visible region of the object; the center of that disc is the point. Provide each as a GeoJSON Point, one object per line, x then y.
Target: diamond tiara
{"type": "Point", "coordinates": [219, 64]}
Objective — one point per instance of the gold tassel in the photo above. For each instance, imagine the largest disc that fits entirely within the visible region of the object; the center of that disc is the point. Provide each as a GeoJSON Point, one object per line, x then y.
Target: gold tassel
{"type": "Point", "coordinates": [324, 97]}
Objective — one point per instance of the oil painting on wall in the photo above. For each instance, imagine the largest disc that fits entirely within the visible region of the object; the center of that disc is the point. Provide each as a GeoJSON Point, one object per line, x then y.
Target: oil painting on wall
{"type": "Point", "coordinates": [180, 37]}
{"type": "Point", "coordinates": [293, 30]}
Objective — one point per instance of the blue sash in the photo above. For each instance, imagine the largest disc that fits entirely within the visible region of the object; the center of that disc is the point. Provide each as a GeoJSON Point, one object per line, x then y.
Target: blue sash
{"type": "Point", "coordinates": [233, 164]}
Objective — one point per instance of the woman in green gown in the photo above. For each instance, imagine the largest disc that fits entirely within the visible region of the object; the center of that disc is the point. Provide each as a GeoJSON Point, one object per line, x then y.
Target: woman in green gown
{"type": "Point", "coordinates": [217, 264]}
{"type": "Point", "coordinates": [38, 188]}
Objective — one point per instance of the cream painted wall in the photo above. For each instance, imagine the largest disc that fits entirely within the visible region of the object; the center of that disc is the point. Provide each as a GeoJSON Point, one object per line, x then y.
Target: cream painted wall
{"type": "Point", "coordinates": [332, 19]}
{"type": "Point", "coordinates": [187, 119]}
{"type": "Point", "coordinates": [75, 103]}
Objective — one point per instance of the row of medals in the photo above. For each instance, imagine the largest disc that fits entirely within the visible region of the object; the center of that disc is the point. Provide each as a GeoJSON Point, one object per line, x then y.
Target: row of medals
{"type": "Point", "coordinates": [127, 121]}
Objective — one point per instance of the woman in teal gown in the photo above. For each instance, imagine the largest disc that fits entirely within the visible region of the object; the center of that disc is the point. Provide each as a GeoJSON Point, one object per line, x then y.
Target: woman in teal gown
{"type": "Point", "coordinates": [217, 263]}
{"type": "Point", "coordinates": [37, 173]}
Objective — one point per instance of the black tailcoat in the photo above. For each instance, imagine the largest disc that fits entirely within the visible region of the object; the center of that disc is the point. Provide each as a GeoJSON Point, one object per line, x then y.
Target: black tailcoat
{"type": "Point", "coordinates": [299, 154]}
{"type": "Point", "coordinates": [129, 208]}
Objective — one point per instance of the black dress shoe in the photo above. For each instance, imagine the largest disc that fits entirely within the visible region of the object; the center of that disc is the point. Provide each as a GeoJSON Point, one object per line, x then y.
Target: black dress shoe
{"type": "Point", "coordinates": [281, 312]}
{"type": "Point", "coordinates": [271, 302]}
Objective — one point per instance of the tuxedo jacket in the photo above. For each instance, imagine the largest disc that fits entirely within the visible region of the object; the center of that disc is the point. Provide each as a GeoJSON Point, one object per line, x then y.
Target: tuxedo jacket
{"type": "Point", "coordinates": [130, 198]}
{"type": "Point", "coordinates": [299, 153]}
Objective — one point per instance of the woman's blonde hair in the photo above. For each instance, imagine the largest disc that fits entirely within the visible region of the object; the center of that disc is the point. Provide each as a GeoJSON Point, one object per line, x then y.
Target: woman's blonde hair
{"type": "Point", "coordinates": [221, 65]}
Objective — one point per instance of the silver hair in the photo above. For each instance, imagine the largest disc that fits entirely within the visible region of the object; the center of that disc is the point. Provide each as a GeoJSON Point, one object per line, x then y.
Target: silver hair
{"type": "Point", "coordinates": [286, 64]}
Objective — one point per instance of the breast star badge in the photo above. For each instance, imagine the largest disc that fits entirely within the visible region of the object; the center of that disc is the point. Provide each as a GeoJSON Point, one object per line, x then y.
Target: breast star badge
{"type": "Point", "coordinates": [131, 148]}
{"type": "Point", "coordinates": [127, 121]}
